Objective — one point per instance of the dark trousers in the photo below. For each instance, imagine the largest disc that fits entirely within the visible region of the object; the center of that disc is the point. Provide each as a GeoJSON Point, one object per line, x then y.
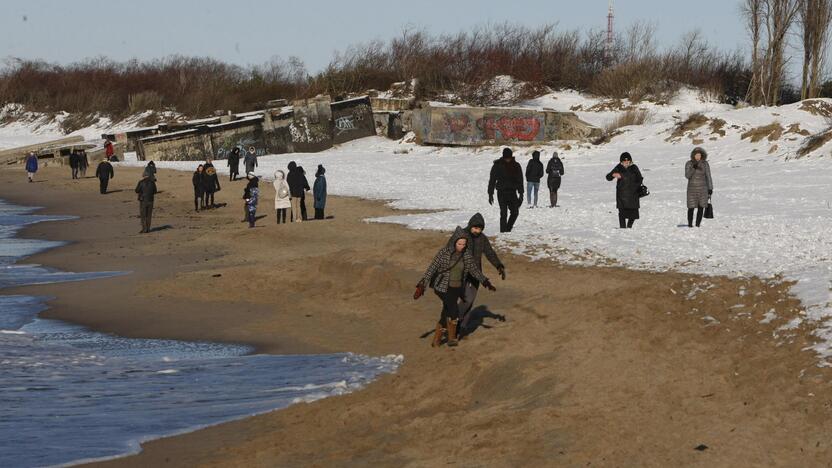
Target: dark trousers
{"type": "Point", "coordinates": [235, 171]}
{"type": "Point", "coordinates": [303, 207]}
{"type": "Point", "coordinates": [74, 172]}
{"type": "Point", "coordinates": [450, 304]}
{"type": "Point", "coordinates": [103, 185]}
{"type": "Point", "coordinates": [554, 185]}
{"type": "Point", "coordinates": [146, 213]}
{"type": "Point", "coordinates": [699, 212]}
{"type": "Point", "coordinates": [319, 213]}
{"type": "Point", "coordinates": [281, 215]}
{"type": "Point", "coordinates": [509, 202]}
{"type": "Point", "coordinates": [252, 217]}
{"type": "Point", "coordinates": [625, 222]}
{"type": "Point", "coordinates": [209, 199]}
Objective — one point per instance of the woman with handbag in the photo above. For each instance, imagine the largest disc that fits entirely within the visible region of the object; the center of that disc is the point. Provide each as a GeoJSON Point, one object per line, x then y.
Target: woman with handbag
{"type": "Point", "coordinates": [628, 190]}
{"type": "Point", "coordinates": [700, 184]}
{"type": "Point", "coordinates": [446, 275]}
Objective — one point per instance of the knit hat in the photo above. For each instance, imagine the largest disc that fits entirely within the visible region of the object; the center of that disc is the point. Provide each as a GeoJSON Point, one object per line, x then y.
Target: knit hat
{"type": "Point", "coordinates": [507, 153]}
{"type": "Point", "coordinates": [625, 156]}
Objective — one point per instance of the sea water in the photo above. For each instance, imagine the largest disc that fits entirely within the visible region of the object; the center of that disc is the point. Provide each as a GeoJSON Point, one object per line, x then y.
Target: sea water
{"type": "Point", "coordinates": [68, 394]}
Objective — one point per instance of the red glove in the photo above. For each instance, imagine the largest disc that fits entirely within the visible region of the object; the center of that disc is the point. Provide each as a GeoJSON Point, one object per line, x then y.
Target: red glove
{"type": "Point", "coordinates": [420, 291]}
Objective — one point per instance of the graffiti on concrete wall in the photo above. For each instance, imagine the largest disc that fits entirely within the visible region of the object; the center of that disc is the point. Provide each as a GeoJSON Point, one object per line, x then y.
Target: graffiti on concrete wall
{"type": "Point", "coordinates": [511, 128]}
{"type": "Point", "coordinates": [477, 126]}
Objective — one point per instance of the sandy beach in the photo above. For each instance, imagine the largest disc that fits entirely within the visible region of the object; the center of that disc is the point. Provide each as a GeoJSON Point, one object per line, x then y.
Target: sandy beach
{"type": "Point", "coordinates": [591, 367]}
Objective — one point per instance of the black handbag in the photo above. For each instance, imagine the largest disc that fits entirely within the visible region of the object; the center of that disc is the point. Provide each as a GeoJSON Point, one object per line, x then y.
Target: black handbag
{"type": "Point", "coordinates": [643, 191]}
{"type": "Point", "coordinates": [709, 210]}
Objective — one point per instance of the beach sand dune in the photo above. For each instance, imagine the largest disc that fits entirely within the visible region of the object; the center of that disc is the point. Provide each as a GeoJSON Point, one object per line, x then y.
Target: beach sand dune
{"type": "Point", "coordinates": [592, 366]}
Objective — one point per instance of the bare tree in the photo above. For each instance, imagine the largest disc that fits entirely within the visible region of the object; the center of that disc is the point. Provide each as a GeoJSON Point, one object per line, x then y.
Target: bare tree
{"type": "Point", "coordinates": [815, 18]}
{"type": "Point", "coordinates": [752, 10]}
{"type": "Point", "coordinates": [769, 21]}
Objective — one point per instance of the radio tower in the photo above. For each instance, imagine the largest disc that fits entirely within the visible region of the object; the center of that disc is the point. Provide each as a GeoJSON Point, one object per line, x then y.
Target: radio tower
{"type": "Point", "coordinates": [608, 47]}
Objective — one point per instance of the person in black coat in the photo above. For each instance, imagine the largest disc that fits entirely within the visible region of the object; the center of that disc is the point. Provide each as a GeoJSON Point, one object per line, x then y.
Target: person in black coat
{"type": "Point", "coordinates": [303, 194]}
{"type": "Point", "coordinates": [146, 189]}
{"type": "Point", "coordinates": [83, 163]}
{"type": "Point", "coordinates": [627, 187]}
{"type": "Point", "coordinates": [199, 187]}
{"type": "Point", "coordinates": [104, 172]}
{"type": "Point", "coordinates": [234, 163]}
{"type": "Point", "coordinates": [554, 169]}
{"type": "Point", "coordinates": [74, 163]}
{"type": "Point", "coordinates": [297, 187]}
{"type": "Point", "coordinates": [210, 183]}
{"type": "Point", "coordinates": [507, 178]}
{"type": "Point", "coordinates": [534, 172]}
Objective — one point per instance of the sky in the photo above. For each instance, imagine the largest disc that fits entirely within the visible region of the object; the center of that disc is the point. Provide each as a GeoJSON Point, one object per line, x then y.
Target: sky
{"type": "Point", "coordinates": [250, 32]}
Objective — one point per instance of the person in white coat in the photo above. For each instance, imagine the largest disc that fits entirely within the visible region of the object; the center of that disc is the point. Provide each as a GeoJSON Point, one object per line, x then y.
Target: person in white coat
{"type": "Point", "coordinates": [282, 203]}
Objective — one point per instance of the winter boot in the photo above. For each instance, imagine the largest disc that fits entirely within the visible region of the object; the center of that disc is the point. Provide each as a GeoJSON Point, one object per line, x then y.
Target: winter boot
{"type": "Point", "coordinates": [437, 337]}
{"type": "Point", "coordinates": [452, 340]}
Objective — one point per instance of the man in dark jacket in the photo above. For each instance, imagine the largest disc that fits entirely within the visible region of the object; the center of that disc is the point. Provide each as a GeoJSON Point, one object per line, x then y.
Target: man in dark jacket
{"type": "Point", "coordinates": [104, 172]}
{"type": "Point", "coordinates": [297, 188]}
{"type": "Point", "coordinates": [507, 179]}
{"type": "Point", "coordinates": [534, 172]}
{"type": "Point", "coordinates": [83, 163]}
{"type": "Point", "coordinates": [74, 163]}
{"type": "Point", "coordinates": [146, 189]}
{"type": "Point", "coordinates": [554, 169]}
{"type": "Point", "coordinates": [478, 245]}
{"type": "Point", "coordinates": [234, 163]}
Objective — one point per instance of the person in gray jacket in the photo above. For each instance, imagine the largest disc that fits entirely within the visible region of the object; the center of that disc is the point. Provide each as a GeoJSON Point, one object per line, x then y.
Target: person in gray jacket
{"type": "Point", "coordinates": [478, 245]}
{"type": "Point", "coordinates": [700, 184]}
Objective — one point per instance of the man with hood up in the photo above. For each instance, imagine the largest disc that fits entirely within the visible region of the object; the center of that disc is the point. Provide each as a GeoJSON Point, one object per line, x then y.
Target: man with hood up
{"type": "Point", "coordinates": [104, 172]}
{"type": "Point", "coordinates": [534, 172]}
{"type": "Point", "coordinates": [478, 245]}
{"type": "Point", "coordinates": [319, 192]}
{"type": "Point", "coordinates": [297, 188]}
{"type": "Point", "coordinates": [146, 190]}
{"type": "Point", "coordinates": [507, 178]}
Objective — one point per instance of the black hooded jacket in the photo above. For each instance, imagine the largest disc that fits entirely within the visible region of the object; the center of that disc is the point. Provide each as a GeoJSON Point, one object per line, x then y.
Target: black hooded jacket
{"type": "Point", "coordinates": [506, 176]}
{"type": "Point", "coordinates": [104, 171]}
{"type": "Point", "coordinates": [296, 180]}
{"type": "Point", "coordinates": [627, 187]}
{"type": "Point", "coordinates": [534, 169]}
{"type": "Point", "coordinates": [478, 245]}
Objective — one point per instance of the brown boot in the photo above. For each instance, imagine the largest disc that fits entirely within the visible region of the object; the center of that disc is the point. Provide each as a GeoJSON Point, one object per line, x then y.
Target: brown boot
{"type": "Point", "coordinates": [437, 337]}
{"type": "Point", "coordinates": [452, 341]}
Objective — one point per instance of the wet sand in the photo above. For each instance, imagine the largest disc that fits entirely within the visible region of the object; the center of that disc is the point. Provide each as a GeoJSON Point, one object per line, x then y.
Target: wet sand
{"type": "Point", "coordinates": [592, 367]}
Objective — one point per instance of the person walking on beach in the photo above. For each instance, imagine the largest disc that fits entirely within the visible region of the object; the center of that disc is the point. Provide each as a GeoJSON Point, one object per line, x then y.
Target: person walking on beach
{"type": "Point", "coordinates": [700, 184]}
{"type": "Point", "coordinates": [211, 183]}
{"type": "Point", "coordinates": [250, 160]}
{"type": "Point", "coordinates": [282, 202]}
{"type": "Point", "coordinates": [198, 181]}
{"type": "Point", "coordinates": [297, 187]}
{"type": "Point", "coordinates": [146, 189]}
{"type": "Point", "coordinates": [319, 192]}
{"type": "Point", "coordinates": [104, 172]}
{"type": "Point", "coordinates": [478, 245]}
{"type": "Point", "coordinates": [31, 166]}
{"type": "Point", "coordinates": [234, 163]}
{"type": "Point", "coordinates": [507, 178]}
{"type": "Point", "coordinates": [109, 151]}
{"type": "Point", "coordinates": [534, 172]}
{"type": "Point", "coordinates": [627, 187]}
{"type": "Point", "coordinates": [251, 195]}
{"type": "Point", "coordinates": [306, 188]}
{"type": "Point", "coordinates": [554, 170]}
{"type": "Point", "coordinates": [74, 163]}
{"type": "Point", "coordinates": [83, 163]}
{"type": "Point", "coordinates": [446, 275]}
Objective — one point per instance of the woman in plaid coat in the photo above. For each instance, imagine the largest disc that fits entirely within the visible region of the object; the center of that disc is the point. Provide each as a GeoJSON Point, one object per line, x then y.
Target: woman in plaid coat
{"type": "Point", "coordinates": [446, 275]}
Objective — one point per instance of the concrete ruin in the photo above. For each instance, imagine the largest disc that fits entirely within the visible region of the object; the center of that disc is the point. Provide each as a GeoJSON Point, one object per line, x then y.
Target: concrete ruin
{"type": "Point", "coordinates": [479, 126]}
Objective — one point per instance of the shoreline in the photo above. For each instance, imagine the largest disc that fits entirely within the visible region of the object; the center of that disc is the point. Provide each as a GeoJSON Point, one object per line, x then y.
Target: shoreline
{"type": "Point", "coordinates": [403, 418]}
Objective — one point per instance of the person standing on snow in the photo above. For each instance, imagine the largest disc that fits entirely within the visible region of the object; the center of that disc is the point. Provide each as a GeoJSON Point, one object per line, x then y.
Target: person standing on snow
{"type": "Point", "coordinates": [282, 198]}
{"type": "Point", "coordinates": [104, 172]}
{"type": "Point", "coordinates": [628, 184]}
{"type": "Point", "coordinates": [700, 184]}
{"type": "Point", "coordinates": [250, 161]}
{"type": "Point", "coordinates": [554, 169]}
{"type": "Point", "coordinates": [234, 164]}
{"type": "Point", "coordinates": [478, 245]}
{"type": "Point", "coordinates": [507, 178]}
{"type": "Point", "coordinates": [446, 275]}
{"type": "Point", "coordinates": [31, 166]}
{"type": "Point", "coordinates": [146, 189]}
{"type": "Point", "coordinates": [319, 192]}
{"type": "Point", "coordinates": [534, 172]}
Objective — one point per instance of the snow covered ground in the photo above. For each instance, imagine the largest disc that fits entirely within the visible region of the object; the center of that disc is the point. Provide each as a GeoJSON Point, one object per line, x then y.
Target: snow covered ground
{"type": "Point", "coordinates": [772, 209]}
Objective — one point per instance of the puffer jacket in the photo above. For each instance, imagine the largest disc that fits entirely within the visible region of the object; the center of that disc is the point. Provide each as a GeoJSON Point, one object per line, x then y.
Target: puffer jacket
{"type": "Point", "coordinates": [438, 274]}
{"type": "Point", "coordinates": [627, 187]}
{"type": "Point", "coordinates": [699, 180]}
{"type": "Point", "coordinates": [281, 191]}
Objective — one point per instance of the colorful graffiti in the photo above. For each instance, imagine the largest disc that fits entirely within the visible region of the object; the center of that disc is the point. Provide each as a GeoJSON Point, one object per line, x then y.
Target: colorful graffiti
{"type": "Point", "coordinates": [510, 128]}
